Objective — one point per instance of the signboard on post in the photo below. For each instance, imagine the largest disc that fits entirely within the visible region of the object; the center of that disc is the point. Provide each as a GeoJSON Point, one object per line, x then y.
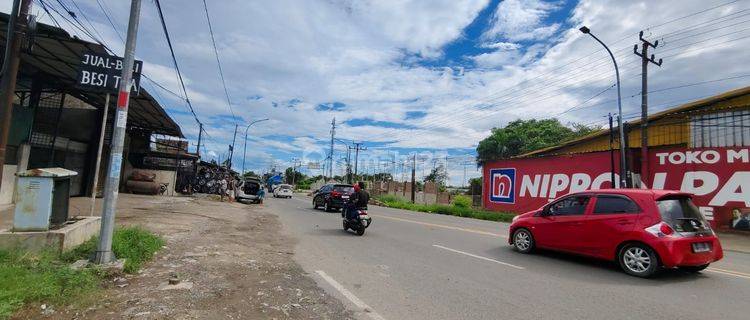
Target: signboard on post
{"type": "Point", "coordinates": [313, 165]}
{"type": "Point", "coordinates": [102, 72]}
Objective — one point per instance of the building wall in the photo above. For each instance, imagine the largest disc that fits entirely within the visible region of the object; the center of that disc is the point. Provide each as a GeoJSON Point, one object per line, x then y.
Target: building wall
{"type": "Point", "coordinates": [719, 179]}
{"type": "Point", "coordinates": [8, 187]}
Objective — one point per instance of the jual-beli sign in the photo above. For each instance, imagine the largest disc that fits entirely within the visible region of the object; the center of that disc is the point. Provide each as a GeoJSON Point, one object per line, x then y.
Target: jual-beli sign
{"type": "Point", "coordinates": [102, 72]}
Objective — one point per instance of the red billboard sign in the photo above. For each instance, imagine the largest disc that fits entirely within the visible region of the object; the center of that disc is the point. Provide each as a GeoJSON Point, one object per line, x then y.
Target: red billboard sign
{"type": "Point", "coordinates": [718, 177]}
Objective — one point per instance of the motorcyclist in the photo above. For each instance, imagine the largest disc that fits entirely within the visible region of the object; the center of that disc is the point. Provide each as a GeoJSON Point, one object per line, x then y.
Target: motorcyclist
{"type": "Point", "coordinates": [358, 200]}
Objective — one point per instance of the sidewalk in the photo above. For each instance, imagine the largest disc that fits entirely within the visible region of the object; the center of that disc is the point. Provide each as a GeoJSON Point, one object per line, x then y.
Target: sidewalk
{"type": "Point", "coordinates": [232, 261]}
{"type": "Point", "coordinates": [736, 242]}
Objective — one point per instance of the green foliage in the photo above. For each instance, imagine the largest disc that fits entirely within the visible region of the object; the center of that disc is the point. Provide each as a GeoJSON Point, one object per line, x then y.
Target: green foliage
{"type": "Point", "coordinates": [437, 175]}
{"type": "Point", "coordinates": [522, 136]}
{"type": "Point", "coordinates": [293, 176]}
{"type": "Point", "coordinates": [475, 186]}
{"type": "Point", "coordinates": [250, 174]}
{"type": "Point", "coordinates": [134, 244]}
{"type": "Point", "coordinates": [26, 278]}
{"type": "Point", "coordinates": [462, 201]}
{"type": "Point", "coordinates": [453, 210]}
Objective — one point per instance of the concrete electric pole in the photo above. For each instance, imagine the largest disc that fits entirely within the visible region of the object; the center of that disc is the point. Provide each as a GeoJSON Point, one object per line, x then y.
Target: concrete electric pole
{"type": "Point", "coordinates": [645, 60]}
{"type": "Point", "coordinates": [17, 26]}
{"type": "Point", "coordinates": [104, 249]}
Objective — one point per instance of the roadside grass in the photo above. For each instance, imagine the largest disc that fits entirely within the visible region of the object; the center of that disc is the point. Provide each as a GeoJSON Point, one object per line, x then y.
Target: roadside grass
{"type": "Point", "coordinates": [460, 207]}
{"type": "Point", "coordinates": [134, 244]}
{"type": "Point", "coordinates": [26, 278]}
{"type": "Point", "coordinates": [46, 277]}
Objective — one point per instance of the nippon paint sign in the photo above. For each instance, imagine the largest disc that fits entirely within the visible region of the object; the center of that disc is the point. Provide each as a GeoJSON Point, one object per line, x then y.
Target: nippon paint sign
{"type": "Point", "coordinates": [719, 178]}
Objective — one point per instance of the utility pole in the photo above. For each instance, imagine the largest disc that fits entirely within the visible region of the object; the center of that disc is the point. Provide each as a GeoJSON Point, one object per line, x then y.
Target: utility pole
{"type": "Point", "coordinates": [413, 176]}
{"type": "Point", "coordinates": [200, 134]}
{"type": "Point", "coordinates": [357, 147]}
{"type": "Point", "coordinates": [645, 59]}
{"type": "Point", "coordinates": [333, 134]}
{"type": "Point", "coordinates": [17, 24]}
{"type": "Point", "coordinates": [294, 170]}
{"type": "Point", "coordinates": [611, 152]}
{"type": "Point", "coordinates": [623, 161]}
{"type": "Point", "coordinates": [104, 249]}
{"type": "Point", "coordinates": [231, 148]}
{"type": "Point", "coordinates": [99, 154]}
{"type": "Point", "coordinates": [348, 164]}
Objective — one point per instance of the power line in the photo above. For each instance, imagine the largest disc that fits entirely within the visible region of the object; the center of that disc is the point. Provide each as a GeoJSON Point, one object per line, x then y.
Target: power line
{"type": "Point", "coordinates": [218, 62]}
{"type": "Point", "coordinates": [106, 14]}
{"type": "Point", "coordinates": [174, 59]}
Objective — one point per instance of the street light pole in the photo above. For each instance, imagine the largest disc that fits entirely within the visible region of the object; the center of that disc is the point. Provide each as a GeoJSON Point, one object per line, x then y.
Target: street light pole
{"type": "Point", "coordinates": [623, 163]}
{"type": "Point", "coordinates": [244, 149]}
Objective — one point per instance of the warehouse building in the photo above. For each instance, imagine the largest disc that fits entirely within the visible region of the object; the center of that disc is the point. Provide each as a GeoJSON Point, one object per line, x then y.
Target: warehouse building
{"type": "Point", "coordinates": [702, 147]}
{"type": "Point", "coordinates": [55, 123]}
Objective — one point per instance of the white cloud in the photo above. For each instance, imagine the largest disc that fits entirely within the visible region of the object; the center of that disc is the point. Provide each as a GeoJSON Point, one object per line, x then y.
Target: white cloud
{"type": "Point", "coordinates": [518, 20]}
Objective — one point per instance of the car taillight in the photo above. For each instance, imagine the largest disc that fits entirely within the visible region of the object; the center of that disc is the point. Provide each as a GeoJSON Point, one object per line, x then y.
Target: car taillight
{"type": "Point", "coordinates": [666, 229]}
{"type": "Point", "coordinates": [335, 194]}
{"type": "Point", "coordinates": [661, 229]}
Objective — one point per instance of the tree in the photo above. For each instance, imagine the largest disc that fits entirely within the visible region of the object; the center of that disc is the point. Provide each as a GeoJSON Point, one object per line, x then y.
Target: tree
{"type": "Point", "coordinates": [250, 174]}
{"type": "Point", "coordinates": [437, 175]}
{"type": "Point", "coordinates": [293, 176]}
{"type": "Point", "coordinates": [522, 136]}
{"type": "Point", "coordinates": [475, 186]}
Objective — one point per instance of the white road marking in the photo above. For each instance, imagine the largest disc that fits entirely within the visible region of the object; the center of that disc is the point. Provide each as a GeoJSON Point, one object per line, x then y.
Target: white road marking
{"type": "Point", "coordinates": [478, 257]}
{"type": "Point", "coordinates": [729, 272]}
{"type": "Point", "coordinates": [444, 226]}
{"type": "Point", "coordinates": [359, 303]}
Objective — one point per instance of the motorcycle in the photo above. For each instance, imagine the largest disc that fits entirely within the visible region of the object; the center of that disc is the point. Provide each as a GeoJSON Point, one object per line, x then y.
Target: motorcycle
{"type": "Point", "coordinates": [359, 223]}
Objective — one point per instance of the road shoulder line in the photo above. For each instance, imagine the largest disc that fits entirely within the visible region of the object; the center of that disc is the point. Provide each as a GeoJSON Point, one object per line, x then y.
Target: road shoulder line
{"type": "Point", "coordinates": [479, 257]}
{"type": "Point", "coordinates": [349, 295]}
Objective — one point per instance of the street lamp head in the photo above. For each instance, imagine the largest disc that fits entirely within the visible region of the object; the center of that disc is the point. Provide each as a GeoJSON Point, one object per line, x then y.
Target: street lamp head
{"type": "Point", "coordinates": [584, 29]}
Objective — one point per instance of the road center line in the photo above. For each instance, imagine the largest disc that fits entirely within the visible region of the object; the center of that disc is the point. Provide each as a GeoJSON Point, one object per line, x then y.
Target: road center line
{"type": "Point", "coordinates": [444, 226]}
{"type": "Point", "coordinates": [729, 272]}
{"type": "Point", "coordinates": [349, 295]}
{"type": "Point", "coordinates": [478, 257]}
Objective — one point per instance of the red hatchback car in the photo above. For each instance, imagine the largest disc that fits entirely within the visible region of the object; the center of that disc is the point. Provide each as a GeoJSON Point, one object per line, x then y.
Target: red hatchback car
{"type": "Point", "coordinates": [643, 230]}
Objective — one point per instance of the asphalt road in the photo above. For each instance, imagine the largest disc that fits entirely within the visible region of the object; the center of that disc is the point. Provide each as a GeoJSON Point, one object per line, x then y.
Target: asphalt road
{"type": "Point", "coordinates": [422, 266]}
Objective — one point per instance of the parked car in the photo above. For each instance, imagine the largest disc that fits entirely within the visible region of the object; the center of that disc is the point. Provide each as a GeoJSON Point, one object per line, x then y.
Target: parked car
{"type": "Point", "coordinates": [251, 190]}
{"type": "Point", "coordinates": [643, 230]}
{"type": "Point", "coordinates": [332, 196]}
{"type": "Point", "coordinates": [283, 191]}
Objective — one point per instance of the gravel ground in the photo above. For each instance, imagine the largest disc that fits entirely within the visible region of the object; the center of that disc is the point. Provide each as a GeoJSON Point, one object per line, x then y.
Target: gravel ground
{"type": "Point", "coordinates": [231, 260]}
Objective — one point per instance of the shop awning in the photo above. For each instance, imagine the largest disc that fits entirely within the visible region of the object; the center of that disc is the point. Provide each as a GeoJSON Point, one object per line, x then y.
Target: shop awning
{"type": "Point", "coordinates": [55, 57]}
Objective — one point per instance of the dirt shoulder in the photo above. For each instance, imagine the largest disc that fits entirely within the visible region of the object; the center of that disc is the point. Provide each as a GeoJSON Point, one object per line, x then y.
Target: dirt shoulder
{"type": "Point", "coordinates": [232, 260]}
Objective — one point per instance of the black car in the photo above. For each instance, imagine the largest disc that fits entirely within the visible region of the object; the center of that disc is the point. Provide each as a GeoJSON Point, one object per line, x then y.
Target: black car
{"type": "Point", "coordinates": [332, 196]}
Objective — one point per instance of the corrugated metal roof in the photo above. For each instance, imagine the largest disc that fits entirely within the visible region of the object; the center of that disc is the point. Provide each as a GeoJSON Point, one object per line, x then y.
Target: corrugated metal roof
{"type": "Point", "coordinates": [691, 106]}
{"type": "Point", "coordinates": [56, 55]}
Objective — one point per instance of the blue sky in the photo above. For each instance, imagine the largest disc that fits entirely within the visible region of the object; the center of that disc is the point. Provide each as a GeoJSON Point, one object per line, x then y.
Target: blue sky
{"type": "Point", "coordinates": [404, 77]}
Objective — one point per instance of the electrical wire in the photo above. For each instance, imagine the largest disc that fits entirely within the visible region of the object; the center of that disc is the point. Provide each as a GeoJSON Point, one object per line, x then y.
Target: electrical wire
{"type": "Point", "coordinates": [218, 62]}
{"type": "Point", "coordinates": [174, 60]}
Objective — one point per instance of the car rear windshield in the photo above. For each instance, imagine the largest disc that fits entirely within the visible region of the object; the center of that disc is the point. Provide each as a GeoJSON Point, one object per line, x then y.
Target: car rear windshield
{"type": "Point", "coordinates": [344, 188]}
{"type": "Point", "coordinates": [681, 214]}
{"type": "Point", "coordinates": [285, 187]}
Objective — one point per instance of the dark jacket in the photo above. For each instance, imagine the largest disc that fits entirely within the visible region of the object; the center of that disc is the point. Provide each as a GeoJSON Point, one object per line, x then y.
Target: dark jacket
{"type": "Point", "coordinates": [360, 199]}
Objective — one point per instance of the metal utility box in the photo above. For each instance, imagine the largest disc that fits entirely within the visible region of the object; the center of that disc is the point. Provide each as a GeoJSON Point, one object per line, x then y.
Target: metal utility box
{"type": "Point", "coordinates": [43, 196]}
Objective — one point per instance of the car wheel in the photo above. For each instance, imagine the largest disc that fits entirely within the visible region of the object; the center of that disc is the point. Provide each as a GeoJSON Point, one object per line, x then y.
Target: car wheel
{"type": "Point", "coordinates": [523, 241]}
{"type": "Point", "coordinates": [638, 260]}
{"type": "Point", "coordinates": [315, 204]}
{"type": "Point", "coordinates": [694, 269]}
